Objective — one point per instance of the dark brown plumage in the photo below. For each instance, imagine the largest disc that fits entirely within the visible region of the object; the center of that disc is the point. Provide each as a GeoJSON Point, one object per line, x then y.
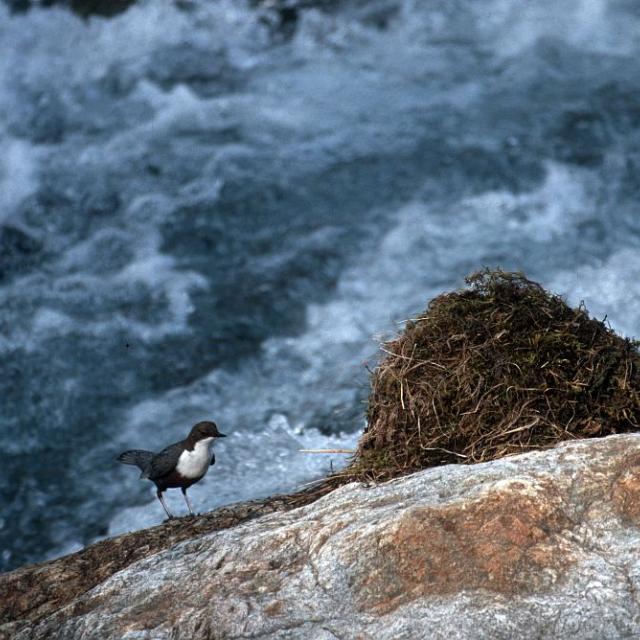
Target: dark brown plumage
{"type": "Point", "coordinates": [179, 465]}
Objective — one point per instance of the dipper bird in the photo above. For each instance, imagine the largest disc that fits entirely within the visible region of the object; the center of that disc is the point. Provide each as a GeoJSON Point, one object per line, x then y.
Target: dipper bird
{"type": "Point", "coordinates": [178, 465]}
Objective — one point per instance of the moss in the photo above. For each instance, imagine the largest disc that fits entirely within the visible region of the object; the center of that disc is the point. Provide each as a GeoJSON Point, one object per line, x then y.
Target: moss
{"type": "Point", "coordinates": [498, 368]}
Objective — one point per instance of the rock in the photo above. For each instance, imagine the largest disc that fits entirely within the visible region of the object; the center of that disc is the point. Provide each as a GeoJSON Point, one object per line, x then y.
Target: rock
{"type": "Point", "coordinates": [542, 545]}
{"type": "Point", "coordinates": [31, 593]}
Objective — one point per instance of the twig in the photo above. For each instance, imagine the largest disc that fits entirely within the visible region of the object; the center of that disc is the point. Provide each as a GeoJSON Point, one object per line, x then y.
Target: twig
{"type": "Point", "coordinates": [326, 451]}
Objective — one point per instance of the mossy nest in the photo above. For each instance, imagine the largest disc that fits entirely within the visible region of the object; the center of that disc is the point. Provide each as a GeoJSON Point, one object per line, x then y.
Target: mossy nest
{"type": "Point", "coordinates": [495, 369]}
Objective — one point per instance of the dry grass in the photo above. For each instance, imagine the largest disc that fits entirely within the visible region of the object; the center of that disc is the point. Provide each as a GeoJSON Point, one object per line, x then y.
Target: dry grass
{"type": "Point", "coordinates": [495, 369]}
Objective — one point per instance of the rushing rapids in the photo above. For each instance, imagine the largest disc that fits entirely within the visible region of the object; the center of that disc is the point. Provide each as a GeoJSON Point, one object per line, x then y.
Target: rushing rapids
{"type": "Point", "coordinates": [208, 209]}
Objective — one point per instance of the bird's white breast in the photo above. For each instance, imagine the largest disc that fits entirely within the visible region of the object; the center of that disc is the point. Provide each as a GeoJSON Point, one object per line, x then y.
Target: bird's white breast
{"type": "Point", "coordinates": [194, 464]}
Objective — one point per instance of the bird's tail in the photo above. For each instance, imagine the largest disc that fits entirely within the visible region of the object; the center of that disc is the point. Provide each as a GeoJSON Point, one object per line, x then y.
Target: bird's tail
{"type": "Point", "coordinates": [136, 457]}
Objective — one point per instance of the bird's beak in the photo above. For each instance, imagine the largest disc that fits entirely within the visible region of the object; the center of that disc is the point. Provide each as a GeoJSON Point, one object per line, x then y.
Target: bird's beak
{"type": "Point", "coordinates": [221, 435]}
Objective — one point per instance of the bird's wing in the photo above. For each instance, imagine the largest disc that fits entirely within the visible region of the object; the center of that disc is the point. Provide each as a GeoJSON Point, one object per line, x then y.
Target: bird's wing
{"type": "Point", "coordinates": [213, 459]}
{"type": "Point", "coordinates": [164, 462]}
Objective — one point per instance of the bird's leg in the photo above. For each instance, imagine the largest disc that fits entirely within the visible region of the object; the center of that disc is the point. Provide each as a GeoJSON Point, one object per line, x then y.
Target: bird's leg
{"type": "Point", "coordinates": [164, 506]}
{"type": "Point", "coordinates": [186, 498]}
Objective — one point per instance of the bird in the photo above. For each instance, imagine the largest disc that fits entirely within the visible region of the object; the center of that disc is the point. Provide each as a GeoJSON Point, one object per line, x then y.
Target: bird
{"type": "Point", "coordinates": [180, 464]}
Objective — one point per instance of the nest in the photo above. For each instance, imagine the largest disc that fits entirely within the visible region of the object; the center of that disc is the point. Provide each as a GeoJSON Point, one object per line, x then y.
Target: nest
{"type": "Point", "coordinates": [495, 369]}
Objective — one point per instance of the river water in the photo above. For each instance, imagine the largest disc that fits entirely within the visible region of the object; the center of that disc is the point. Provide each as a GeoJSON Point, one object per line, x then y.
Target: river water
{"type": "Point", "coordinates": [205, 214]}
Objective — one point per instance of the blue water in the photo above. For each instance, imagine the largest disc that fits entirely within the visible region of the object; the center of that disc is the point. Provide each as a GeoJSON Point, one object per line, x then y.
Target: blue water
{"type": "Point", "coordinates": [206, 215]}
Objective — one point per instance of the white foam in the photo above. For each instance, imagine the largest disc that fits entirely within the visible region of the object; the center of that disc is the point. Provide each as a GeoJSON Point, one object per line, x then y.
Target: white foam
{"type": "Point", "coordinates": [608, 288]}
{"type": "Point", "coordinates": [51, 322]}
{"type": "Point", "coordinates": [17, 174]}
{"type": "Point", "coordinates": [150, 269]}
{"type": "Point", "coordinates": [540, 215]}
{"type": "Point", "coordinates": [509, 28]}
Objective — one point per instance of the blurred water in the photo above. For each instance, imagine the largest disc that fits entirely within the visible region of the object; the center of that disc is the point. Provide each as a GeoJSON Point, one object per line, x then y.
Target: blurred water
{"type": "Point", "coordinates": [206, 214]}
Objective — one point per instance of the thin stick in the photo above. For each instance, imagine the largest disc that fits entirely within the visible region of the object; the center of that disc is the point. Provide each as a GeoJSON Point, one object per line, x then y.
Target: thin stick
{"type": "Point", "coordinates": [326, 451]}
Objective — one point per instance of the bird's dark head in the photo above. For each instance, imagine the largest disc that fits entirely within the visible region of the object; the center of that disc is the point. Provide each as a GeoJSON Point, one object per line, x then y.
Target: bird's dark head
{"type": "Point", "coordinates": [204, 430]}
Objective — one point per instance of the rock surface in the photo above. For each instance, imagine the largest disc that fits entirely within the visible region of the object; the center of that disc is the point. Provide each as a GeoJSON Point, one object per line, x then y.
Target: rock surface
{"type": "Point", "coordinates": [33, 592]}
{"type": "Point", "coordinates": [543, 545]}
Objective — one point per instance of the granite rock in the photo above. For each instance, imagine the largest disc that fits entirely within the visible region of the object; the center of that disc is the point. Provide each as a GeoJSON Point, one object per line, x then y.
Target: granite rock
{"type": "Point", "coordinates": [542, 545]}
